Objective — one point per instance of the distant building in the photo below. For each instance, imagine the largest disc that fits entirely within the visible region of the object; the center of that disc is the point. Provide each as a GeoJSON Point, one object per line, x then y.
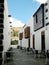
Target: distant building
{"type": "Point", "coordinates": [4, 30]}
{"type": "Point", "coordinates": [14, 32]}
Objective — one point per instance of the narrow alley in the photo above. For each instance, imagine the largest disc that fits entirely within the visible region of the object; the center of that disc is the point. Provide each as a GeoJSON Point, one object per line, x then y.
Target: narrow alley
{"type": "Point", "coordinates": [21, 57]}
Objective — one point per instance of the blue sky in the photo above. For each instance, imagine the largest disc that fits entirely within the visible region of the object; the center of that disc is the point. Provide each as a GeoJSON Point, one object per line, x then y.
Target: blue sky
{"type": "Point", "coordinates": [22, 9]}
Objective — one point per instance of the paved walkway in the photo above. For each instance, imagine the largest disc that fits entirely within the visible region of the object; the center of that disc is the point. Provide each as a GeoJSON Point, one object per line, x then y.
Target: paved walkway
{"type": "Point", "coordinates": [24, 58]}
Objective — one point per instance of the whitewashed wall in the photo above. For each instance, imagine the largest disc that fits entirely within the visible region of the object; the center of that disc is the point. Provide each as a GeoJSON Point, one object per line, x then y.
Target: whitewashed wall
{"type": "Point", "coordinates": [6, 41]}
{"type": "Point", "coordinates": [47, 38]}
{"type": "Point", "coordinates": [46, 29]}
{"type": "Point", "coordinates": [31, 24]}
{"type": "Point", "coordinates": [20, 41]}
{"type": "Point", "coordinates": [38, 39]}
{"type": "Point", "coordinates": [25, 43]}
{"type": "Point", "coordinates": [46, 14]}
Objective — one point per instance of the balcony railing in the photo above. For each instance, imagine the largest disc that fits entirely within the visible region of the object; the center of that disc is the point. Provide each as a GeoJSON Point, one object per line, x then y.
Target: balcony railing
{"type": "Point", "coordinates": [27, 32]}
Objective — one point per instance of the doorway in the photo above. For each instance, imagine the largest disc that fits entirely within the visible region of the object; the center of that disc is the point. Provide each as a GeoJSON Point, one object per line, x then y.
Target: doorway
{"type": "Point", "coordinates": [33, 41]}
{"type": "Point", "coordinates": [29, 42]}
{"type": "Point", "coordinates": [43, 40]}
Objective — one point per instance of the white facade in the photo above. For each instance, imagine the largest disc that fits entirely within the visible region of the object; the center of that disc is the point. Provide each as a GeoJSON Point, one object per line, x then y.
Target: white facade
{"type": "Point", "coordinates": [31, 24]}
{"type": "Point", "coordinates": [24, 41]}
{"type": "Point", "coordinates": [5, 38]}
{"type": "Point", "coordinates": [38, 41]}
{"type": "Point", "coordinates": [6, 41]}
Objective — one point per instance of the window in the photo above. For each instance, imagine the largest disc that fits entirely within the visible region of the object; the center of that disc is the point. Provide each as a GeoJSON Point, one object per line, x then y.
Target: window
{"type": "Point", "coordinates": [10, 22]}
{"type": "Point", "coordinates": [36, 19]}
{"type": "Point", "coordinates": [46, 10]}
{"type": "Point", "coordinates": [47, 23]}
{"type": "Point", "coordinates": [9, 15]}
{"type": "Point", "coordinates": [46, 4]}
{"type": "Point", "coordinates": [10, 25]}
{"type": "Point", "coordinates": [46, 17]}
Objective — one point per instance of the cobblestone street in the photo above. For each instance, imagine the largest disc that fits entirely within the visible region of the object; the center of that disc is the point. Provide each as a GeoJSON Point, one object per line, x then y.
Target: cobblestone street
{"type": "Point", "coordinates": [24, 58]}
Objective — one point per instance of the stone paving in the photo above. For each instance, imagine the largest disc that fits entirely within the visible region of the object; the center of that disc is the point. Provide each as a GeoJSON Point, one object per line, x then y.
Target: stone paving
{"type": "Point", "coordinates": [24, 58]}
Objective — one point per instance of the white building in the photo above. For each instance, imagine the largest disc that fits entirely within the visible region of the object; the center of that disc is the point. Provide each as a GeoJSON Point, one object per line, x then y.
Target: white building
{"type": "Point", "coordinates": [25, 34]}
{"type": "Point", "coordinates": [4, 30]}
{"type": "Point", "coordinates": [41, 27]}
{"type": "Point", "coordinates": [39, 30]}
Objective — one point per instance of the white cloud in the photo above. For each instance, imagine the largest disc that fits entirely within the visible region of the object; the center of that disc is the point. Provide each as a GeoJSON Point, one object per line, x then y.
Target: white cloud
{"type": "Point", "coordinates": [41, 1]}
{"type": "Point", "coordinates": [16, 22]}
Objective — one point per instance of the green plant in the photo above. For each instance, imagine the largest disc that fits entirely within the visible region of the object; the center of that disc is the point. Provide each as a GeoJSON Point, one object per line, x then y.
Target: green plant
{"type": "Point", "coordinates": [15, 42]}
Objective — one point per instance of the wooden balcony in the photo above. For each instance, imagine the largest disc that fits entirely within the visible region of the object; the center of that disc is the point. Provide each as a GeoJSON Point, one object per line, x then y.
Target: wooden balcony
{"type": "Point", "coordinates": [20, 36]}
{"type": "Point", "coordinates": [27, 32]}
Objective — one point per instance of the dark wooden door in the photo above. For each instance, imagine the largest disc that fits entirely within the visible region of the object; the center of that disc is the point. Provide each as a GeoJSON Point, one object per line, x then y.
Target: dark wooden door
{"type": "Point", "coordinates": [29, 42]}
{"type": "Point", "coordinates": [34, 41]}
{"type": "Point", "coordinates": [43, 40]}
